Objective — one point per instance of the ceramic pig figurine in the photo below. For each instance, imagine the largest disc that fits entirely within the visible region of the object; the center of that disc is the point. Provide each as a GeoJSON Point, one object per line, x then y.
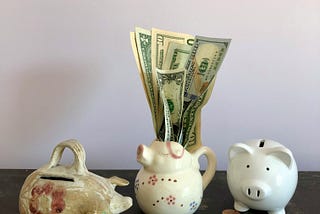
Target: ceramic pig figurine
{"type": "Point", "coordinates": [169, 180]}
{"type": "Point", "coordinates": [262, 175]}
{"type": "Point", "coordinates": [56, 188]}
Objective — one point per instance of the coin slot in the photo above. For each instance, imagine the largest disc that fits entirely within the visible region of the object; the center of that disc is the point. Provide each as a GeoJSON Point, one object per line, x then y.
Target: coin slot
{"type": "Point", "coordinates": [54, 178]}
{"type": "Point", "coordinates": [261, 143]}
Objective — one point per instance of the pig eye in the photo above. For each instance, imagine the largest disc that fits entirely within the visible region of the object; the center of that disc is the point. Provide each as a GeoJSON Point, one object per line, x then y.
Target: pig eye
{"type": "Point", "coordinates": [248, 166]}
{"type": "Point", "coordinates": [267, 168]}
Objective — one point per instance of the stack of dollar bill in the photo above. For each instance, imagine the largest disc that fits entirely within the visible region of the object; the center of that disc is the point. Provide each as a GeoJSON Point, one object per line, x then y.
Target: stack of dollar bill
{"type": "Point", "coordinates": [178, 72]}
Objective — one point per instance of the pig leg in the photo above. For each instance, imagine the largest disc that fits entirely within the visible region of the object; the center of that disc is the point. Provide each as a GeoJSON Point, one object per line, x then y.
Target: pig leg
{"type": "Point", "coordinates": [240, 206]}
{"type": "Point", "coordinates": [282, 211]}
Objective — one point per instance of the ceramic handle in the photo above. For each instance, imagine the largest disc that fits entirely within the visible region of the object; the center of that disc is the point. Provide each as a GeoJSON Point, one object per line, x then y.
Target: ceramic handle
{"type": "Point", "coordinates": [212, 163]}
{"type": "Point", "coordinates": [78, 151]}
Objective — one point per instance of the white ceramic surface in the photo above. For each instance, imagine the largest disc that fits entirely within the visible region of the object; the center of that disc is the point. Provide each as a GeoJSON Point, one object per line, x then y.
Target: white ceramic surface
{"type": "Point", "coordinates": [262, 175]}
{"type": "Point", "coordinates": [169, 180]}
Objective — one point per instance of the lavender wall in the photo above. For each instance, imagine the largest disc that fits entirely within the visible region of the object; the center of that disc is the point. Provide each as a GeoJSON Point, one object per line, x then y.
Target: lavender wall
{"type": "Point", "coordinates": [67, 71]}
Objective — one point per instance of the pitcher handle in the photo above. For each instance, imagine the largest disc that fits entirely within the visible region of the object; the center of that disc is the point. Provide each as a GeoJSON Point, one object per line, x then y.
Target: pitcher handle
{"type": "Point", "coordinates": [78, 151]}
{"type": "Point", "coordinates": [212, 164]}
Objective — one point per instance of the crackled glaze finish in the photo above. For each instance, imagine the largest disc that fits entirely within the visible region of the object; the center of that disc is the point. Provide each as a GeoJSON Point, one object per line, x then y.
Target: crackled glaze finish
{"type": "Point", "coordinates": [170, 181]}
{"type": "Point", "coordinates": [71, 189]}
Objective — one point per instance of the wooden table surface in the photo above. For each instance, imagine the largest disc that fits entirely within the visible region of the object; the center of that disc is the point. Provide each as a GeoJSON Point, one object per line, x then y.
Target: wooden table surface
{"type": "Point", "coordinates": [216, 198]}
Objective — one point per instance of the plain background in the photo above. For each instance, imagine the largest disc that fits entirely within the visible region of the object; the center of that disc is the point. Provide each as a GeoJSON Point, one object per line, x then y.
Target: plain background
{"type": "Point", "coordinates": [67, 71]}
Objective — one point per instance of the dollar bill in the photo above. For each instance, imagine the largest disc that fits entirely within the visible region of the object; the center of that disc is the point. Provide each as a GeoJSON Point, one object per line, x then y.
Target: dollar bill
{"type": "Point", "coordinates": [160, 42]}
{"type": "Point", "coordinates": [166, 129]}
{"type": "Point", "coordinates": [194, 141]}
{"type": "Point", "coordinates": [171, 84]}
{"type": "Point", "coordinates": [202, 66]}
{"type": "Point", "coordinates": [191, 125]}
{"type": "Point", "coordinates": [143, 43]}
{"type": "Point", "coordinates": [137, 59]}
{"type": "Point", "coordinates": [189, 119]}
{"type": "Point", "coordinates": [177, 56]}
{"type": "Point", "coordinates": [205, 59]}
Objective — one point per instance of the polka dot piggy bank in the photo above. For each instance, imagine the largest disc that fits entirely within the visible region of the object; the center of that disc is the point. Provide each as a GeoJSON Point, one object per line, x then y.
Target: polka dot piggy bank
{"type": "Point", "coordinates": [262, 175]}
{"type": "Point", "coordinates": [169, 180]}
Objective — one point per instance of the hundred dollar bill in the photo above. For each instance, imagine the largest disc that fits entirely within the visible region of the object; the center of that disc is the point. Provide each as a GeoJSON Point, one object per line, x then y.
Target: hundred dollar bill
{"type": "Point", "coordinates": [177, 56]}
{"type": "Point", "coordinates": [205, 59]}
{"type": "Point", "coordinates": [171, 84]}
{"type": "Point", "coordinates": [143, 43]}
{"type": "Point", "coordinates": [160, 42]}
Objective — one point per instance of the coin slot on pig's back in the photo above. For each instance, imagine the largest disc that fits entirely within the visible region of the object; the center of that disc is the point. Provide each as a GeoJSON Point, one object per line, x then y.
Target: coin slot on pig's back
{"type": "Point", "coordinates": [261, 143]}
{"type": "Point", "coordinates": [57, 178]}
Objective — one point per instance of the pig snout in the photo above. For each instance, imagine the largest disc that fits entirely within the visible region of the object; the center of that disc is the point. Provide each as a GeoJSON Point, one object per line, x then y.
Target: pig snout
{"type": "Point", "coordinates": [144, 155]}
{"type": "Point", "coordinates": [139, 151]}
{"type": "Point", "coordinates": [256, 190]}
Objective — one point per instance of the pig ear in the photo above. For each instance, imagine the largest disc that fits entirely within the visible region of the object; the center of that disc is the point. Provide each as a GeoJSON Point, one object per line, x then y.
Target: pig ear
{"type": "Point", "coordinates": [239, 148]}
{"type": "Point", "coordinates": [282, 154]}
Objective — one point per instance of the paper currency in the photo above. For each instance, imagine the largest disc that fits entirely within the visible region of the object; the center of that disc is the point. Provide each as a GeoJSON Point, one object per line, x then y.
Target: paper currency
{"type": "Point", "coordinates": [143, 48]}
{"type": "Point", "coordinates": [171, 85]}
{"type": "Point", "coordinates": [160, 42]}
{"type": "Point", "coordinates": [178, 72]}
{"type": "Point", "coordinates": [191, 125]}
{"type": "Point", "coordinates": [177, 56]}
{"type": "Point", "coordinates": [136, 56]}
{"type": "Point", "coordinates": [204, 61]}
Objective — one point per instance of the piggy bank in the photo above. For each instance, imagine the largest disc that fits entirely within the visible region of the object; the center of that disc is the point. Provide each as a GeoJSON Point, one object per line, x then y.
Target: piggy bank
{"type": "Point", "coordinates": [169, 180]}
{"type": "Point", "coordinates": [261, 175]}
{"type": "Point", "coordinates": [56, 188]}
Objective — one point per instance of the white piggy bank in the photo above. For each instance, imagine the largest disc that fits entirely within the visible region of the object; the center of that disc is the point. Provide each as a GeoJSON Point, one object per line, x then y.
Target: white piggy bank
{"type": "Point", "coordinates": [262, 175]}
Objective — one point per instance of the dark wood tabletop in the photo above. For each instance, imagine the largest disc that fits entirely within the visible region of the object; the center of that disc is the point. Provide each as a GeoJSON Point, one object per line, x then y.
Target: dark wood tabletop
{"type": "Point", "coordinates": [216, 197]}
